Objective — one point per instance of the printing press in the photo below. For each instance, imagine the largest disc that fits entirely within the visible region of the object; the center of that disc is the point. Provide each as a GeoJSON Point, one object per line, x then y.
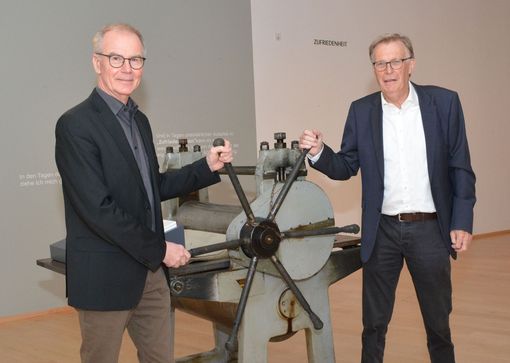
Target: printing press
{"type": "Point", "coordinates": [261, 272]}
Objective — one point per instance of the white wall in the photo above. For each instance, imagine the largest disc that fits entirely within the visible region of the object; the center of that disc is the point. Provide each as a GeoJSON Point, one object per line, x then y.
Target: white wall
{"type": "Point", "coordinates": [461, 45]}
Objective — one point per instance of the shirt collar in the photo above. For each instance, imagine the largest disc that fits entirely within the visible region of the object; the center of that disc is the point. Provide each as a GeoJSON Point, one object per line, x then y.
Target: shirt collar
{"type": "Point", "coordinates": [412, 98]}
{"type": "Point", "coordinates": [117, 106]}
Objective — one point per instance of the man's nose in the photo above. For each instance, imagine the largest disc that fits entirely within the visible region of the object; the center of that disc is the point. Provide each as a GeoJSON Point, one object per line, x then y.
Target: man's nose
{"type": "Point", "coordinates": [126, 67]}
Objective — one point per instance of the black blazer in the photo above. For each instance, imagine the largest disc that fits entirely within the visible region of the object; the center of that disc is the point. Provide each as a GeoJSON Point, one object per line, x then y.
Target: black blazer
{"type": "Point", "coordinates": [452, 180]}
{"type": "Point", "coordinates": [110, 245]}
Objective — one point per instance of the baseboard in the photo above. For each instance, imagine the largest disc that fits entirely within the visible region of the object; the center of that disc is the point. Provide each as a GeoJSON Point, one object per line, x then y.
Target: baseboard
{"type": "Point", "coordinates": [491, 234]}
{"type": "Point", "coordinates": [63, 309]}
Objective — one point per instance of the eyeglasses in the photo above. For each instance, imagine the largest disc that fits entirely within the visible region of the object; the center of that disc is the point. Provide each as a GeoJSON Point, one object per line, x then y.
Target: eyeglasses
{"type": "Point", "coordinates": [117, 61]}
{"type": "Point", "coordinates": [394, 64]}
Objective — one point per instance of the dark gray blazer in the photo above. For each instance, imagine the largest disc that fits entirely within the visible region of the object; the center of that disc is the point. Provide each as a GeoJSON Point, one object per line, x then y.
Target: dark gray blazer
{"type": "Point", "coordinates": [110, 244]}
{"type": "Point", "coordinates": [451, 177]}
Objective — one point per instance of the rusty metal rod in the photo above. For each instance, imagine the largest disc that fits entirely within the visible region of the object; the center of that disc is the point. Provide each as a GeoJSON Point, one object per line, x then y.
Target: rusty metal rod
{"type": "Point", "coordinates": [316, 321]}
{"type": "Point", "coordinates": [240, 170]}
{"type": "Point", "coordinates": [237, 185]}
{"type": "Point", "coordinates": [227, 245]}
{"type": "Point", "coordinates": [351, 228]}
{"type": "Point", "coordinates": [231, 343]}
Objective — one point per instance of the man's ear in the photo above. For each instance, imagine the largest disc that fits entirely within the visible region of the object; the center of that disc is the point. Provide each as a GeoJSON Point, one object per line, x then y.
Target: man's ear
{"type": "Point", "coordinates": [96, 63]}
{"type": "Point", "coordinates": [412, 63]}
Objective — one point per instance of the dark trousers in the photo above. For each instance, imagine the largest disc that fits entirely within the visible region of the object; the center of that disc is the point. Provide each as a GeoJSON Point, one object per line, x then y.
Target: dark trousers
{"type": "Point", "coordinates": [427, 258]}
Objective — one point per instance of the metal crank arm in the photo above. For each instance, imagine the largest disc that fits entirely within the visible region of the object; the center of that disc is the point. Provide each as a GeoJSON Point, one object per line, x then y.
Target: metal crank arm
{"type": "Point", "coordinates": [227, 245]}
{"type": "Point", "coordinates": [316, 321]}
{"type": "Point", "coordinates": [351, 228]}
{"type": "Point", "coordinates": [231, 343]}
{"type": "Point", "coordinates": [286, 187]}
{"type": "Point", "coordinates": [237, 186]}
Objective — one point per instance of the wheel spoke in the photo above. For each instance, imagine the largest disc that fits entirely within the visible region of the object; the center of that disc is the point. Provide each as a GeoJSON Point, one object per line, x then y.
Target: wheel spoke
{"type": "Point", "coordinates": [237, 186]}
{"type": "Point", "coordinates": [352, 228]}
{"type": "Point", "coordinates": [316, 321]}
{"type": "Point", "coordinates": [231, 343]}
{"type": "Point", "coordinates": [286, 187]}
{"type": "Point", "coordinates": [227, 245]}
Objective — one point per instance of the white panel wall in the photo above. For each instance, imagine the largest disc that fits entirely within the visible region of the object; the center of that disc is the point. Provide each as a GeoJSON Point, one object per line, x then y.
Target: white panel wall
{"type": "Point", "coordinates": [461, 45]}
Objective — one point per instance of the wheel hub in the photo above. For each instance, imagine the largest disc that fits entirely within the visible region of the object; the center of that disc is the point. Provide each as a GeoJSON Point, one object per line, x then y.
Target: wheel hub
{"type": "Point", "coordinates": [261, 239]}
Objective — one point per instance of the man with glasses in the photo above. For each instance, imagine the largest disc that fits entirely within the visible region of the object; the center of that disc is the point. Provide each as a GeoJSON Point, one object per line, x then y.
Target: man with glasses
{"type": "Point", "coordinates": [117, 256]}
{"type": "Point", "coordinates": [418, 192]}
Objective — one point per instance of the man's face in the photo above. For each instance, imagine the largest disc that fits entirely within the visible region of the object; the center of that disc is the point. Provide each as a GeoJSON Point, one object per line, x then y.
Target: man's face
{"type": "Point", "coordinates": [118, 82]}
{"type": "Point", "coordinates": [394, 84]}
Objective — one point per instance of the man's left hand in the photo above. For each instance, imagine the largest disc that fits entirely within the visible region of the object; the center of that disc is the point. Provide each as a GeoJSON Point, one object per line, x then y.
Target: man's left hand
{"type": "Point", "coordinates": [460, 240]}
{"type": "Point", "coordinates": [219, 155]}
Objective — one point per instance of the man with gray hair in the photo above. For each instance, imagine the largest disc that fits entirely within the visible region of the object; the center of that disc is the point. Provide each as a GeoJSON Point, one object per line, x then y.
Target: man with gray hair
{"type": "Point", "coordinates": [117, 256]}
{"type": "Point", "coordinates": [418, 192]}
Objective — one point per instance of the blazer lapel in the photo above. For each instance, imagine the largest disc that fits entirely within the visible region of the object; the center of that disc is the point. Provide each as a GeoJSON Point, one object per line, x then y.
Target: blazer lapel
{"type": "Point", "coordinates": [153, 167]}
{"type": "Point", "coordinates": [148, 144]}
{"type": "Point", "coordinates": [430, 125]}
{"type": "Point", "coordinates": [111, 124]}
{"type": "Point", "coordinates": [377, 133]}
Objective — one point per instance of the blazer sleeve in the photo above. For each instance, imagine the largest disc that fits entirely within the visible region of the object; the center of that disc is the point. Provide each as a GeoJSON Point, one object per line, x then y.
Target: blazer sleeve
{"type": "Point", "coordinates": [187, 179]}
{"type": "Point", "coordinates": [462, 177]}
{"type": "Point", "coordinates": [345, 163]}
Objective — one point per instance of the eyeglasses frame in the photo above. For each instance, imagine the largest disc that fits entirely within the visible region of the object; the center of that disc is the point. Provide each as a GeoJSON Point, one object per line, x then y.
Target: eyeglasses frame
{"type": "Point", "coordinates": [109, 56]}
{"type": "Point", "coordinates": [386, 64]}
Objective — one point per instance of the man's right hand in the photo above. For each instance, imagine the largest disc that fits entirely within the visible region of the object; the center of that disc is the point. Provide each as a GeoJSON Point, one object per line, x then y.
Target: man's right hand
{"type": "Point", "coordinates": [176, 255]}
{"type": "Point", "coordinates": [311, 139]}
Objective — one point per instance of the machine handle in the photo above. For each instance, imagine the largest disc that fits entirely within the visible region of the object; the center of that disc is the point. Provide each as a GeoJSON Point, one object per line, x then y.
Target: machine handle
{"type": "Point", "coordinates": [351, 228]}
{"type": "Point", "coordinates": [227, 245]}
{"type": "Point", "coordinates": [286, 187]}
{"type": "Point", "coordinates": [231, 344]}
{"type": "Point", "coordinates": [237, 185]}
{"type": "Point", "coordinates": [316, 321]}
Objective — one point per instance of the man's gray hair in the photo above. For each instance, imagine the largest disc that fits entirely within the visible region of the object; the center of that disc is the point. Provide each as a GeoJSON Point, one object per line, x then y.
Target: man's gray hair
{"type": "Point", "coordinates": [388, 38]}
{"type": "Point", "coordinates": [97, 41]}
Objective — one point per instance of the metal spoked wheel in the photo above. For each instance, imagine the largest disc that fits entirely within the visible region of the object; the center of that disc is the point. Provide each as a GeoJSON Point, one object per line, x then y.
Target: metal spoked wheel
{"type": "Point", "coordinates": [260, 238]}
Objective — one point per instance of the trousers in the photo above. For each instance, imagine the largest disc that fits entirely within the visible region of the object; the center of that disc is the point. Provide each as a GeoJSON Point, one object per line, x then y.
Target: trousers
{"type": "Point", "coordinates": [149, 325]}
{"type": "Point", "coordinates": [420, 245]}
